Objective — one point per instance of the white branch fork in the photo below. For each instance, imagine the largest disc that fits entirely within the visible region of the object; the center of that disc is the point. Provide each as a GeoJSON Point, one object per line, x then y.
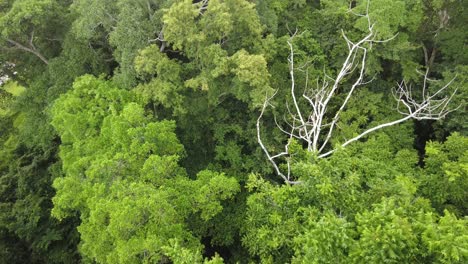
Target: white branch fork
{"type": "Point", "coordinates": [314, 125]}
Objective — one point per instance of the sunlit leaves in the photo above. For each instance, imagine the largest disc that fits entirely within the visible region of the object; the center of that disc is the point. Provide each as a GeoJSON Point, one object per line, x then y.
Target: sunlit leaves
{"type": "Point", "coordinates": [444, 179]}
{"type": "Point", "coordinates": [121, 174]}
{"type": "Point", "coordinates": [447, 240]}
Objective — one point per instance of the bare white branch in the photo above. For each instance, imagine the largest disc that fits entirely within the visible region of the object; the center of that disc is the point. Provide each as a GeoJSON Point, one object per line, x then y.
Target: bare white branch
{"type": "Point", "coordinates": [314, 125]}
{"type": "Point", "coordinates": [267, 153]}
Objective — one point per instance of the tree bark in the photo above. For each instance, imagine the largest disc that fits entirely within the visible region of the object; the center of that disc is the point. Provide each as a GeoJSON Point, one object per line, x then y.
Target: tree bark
{"type": "Point", "coordinates": [31, 49]}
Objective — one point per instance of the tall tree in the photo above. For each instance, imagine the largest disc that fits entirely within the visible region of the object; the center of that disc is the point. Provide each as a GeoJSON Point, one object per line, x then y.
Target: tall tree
{"type": "Point", "coordinates": [121, 175]}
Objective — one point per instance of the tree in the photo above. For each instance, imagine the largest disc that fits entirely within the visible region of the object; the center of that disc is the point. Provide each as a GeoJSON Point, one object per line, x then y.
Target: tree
{"type": "Point", "coordinates": [121, 175]}
{"type": "Point", "coordinates": [444, 175]}
{"type": "Point", "coordinates": [32, 26]}
{"type": "Point", "coordinates": [314, 124]}
{"type": "Point", "coordinates": [27, 231]}
{"type": "Point", "coordinates": [362, 204]}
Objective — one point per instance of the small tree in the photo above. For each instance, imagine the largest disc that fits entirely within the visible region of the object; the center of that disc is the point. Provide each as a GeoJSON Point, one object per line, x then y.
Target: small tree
{"type": "Point", "coordinates": [313, 127]}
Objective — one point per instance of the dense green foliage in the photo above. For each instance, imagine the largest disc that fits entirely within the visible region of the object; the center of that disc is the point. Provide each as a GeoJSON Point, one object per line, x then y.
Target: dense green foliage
{"type": "Point", "coordinates": [128, 133]}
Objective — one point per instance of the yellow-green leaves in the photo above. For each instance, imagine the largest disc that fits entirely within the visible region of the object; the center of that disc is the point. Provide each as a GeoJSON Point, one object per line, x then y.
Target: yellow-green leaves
{"type": "Point", "coordinates": [447, 240]}
{"type": "Point", "coordinates": [121, 175]}
{"type": "Point", "coordinates": [386, 234]}
{"type": "Point", "coordinates": [325, 240]}
{"type": "Point", "coordinates": [212, 188]}
{"type": "Point", "coordinates": [217, 20]}
{"type": "Point", "coordinates": [8, 92]}
{"type": "Point", "coordinates": [165, 84]}
{"type": "Point", "coordinates": [79, 113]}
{"type": "Point", "coordinates": [13, 88]}
{"type": "Point", "coordinates": [192, 27]}
{"type": "Point", "coordinates": [180, 28]}
{"type": "Point", "coordinates": [446, 173]}
{"type": "Point", "coordinates": [26, 14]}
{"type": "Point", "coordinates": [252, 70]}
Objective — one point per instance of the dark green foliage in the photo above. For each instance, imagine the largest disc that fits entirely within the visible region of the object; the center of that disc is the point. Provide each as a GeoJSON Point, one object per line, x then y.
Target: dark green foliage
{"type": "Point", "coordinates": [28, 232]}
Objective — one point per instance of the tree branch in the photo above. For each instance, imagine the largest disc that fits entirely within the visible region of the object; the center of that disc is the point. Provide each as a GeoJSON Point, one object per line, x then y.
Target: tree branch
{"type": "Point", "coordinates": [267, 153]}
{"type": "Point", "coordinates": [30, 49]}
{"type": "Point", "coordinates": [308, 124]}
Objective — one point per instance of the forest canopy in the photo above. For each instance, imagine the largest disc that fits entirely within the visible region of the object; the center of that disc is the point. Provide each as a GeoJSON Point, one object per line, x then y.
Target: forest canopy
{"type": "Point", "coordinates": [233, 131]}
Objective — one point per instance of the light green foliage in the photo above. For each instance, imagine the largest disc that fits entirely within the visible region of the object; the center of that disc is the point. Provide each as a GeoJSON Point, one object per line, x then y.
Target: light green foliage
{"type": "Point", "coordinates": [386, 234]}
{"type": "Point", "coordinates": [354, 207]}
{"type": "Point", "coordinates": [445, 174]}
{"type": "Point", "coordinates": [10, 119]}
{"type": "Point", "coordinates": [25, 15]}
{"type": "Point", "coordinates": [190, 28]}
{"type": "Point", "coordinates": [130, 223]}
{"type": "Point", "coordinates": [325, 240]}
{"type": "Point", "coordinates": [447, 240]}
{"type": "Point", "coordinates": [211, 188]}
{"type": "Point", "coordinates": [13, 88]}
{"type": "Point", "coordinates": [165, 85]}
{"type": "Point", "coordinates": [271, 221]}
{"type": "Point", "coordinates": [180, 21]}
{"type": "Point", "coordinates": [7, 93]}
{"type": "Point", "coordinates": [251, 69]}
{"type": "Point", "coordinates": [221, 46]}
{"type": "Point", "coordinates": [121, 175]}
{"type": "Point", "coordinates": [70, 118]}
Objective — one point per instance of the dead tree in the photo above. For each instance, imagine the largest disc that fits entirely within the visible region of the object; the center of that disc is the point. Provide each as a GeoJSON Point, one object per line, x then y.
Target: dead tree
{"type": "Point", "coordinates": [313, 127]}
